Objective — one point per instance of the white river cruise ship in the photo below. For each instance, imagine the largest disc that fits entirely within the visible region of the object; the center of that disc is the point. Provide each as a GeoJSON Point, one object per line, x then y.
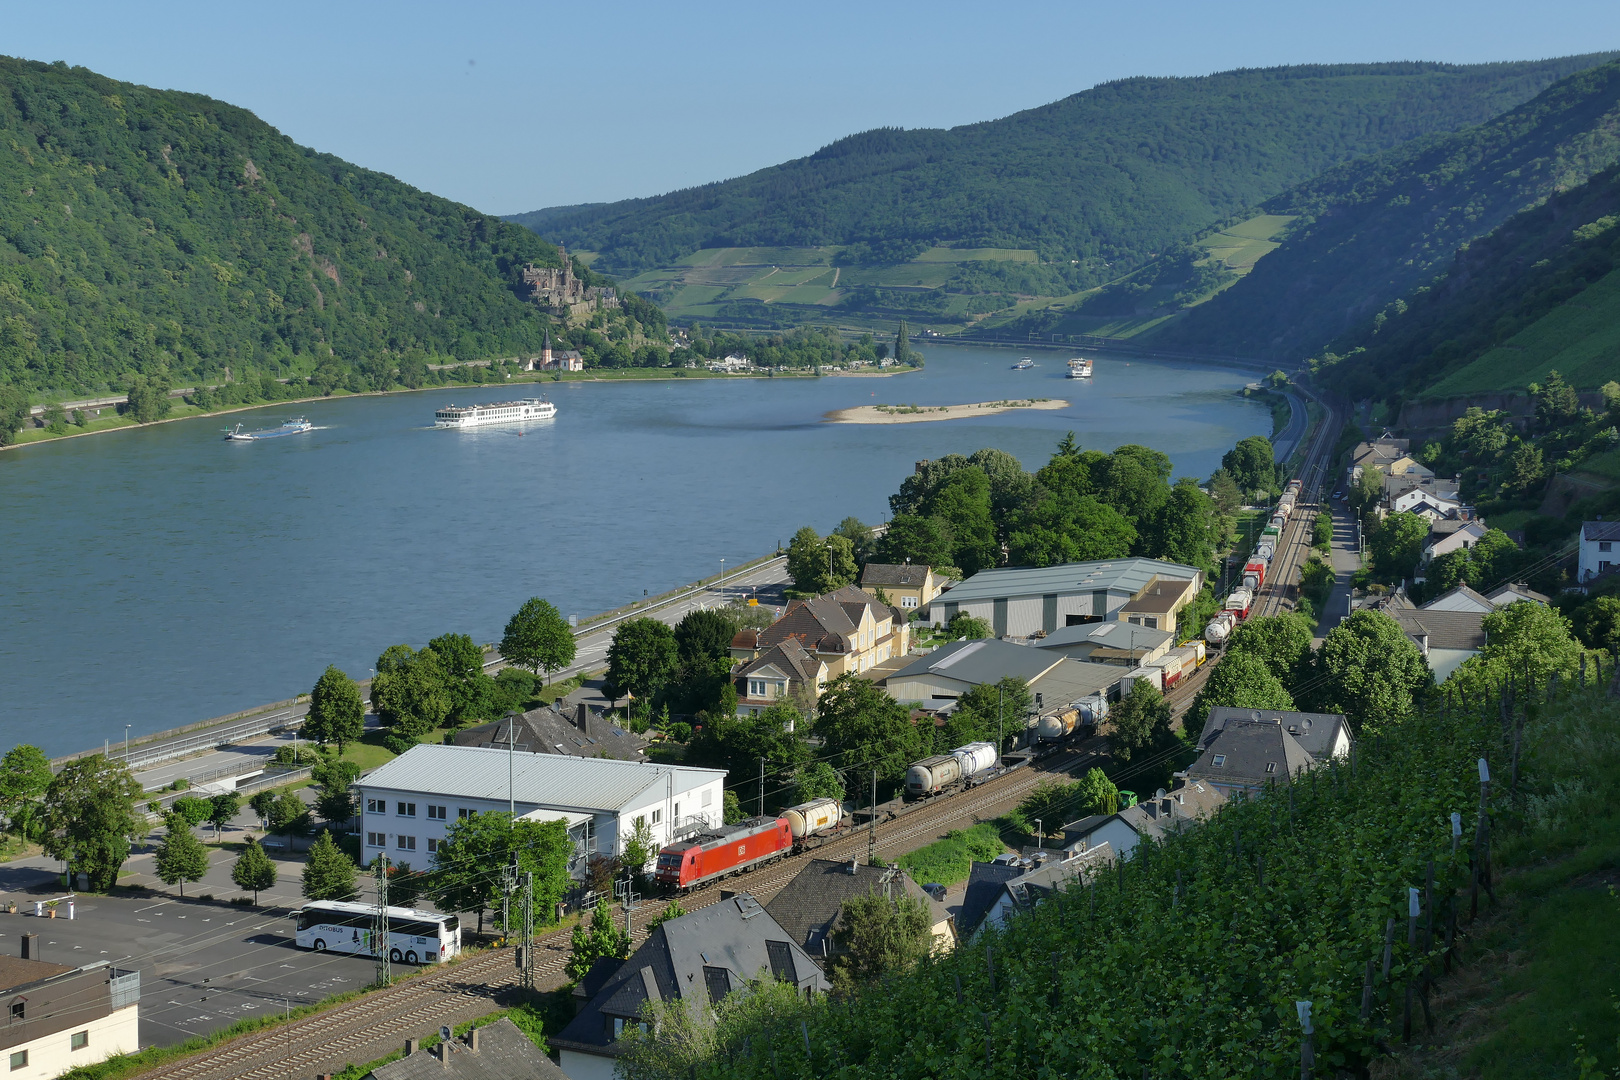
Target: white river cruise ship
{"type": "Point", "coordinates": [495, 412]}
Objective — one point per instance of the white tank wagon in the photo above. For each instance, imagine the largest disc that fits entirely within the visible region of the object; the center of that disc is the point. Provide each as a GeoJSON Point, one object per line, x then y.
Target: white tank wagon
{"type": "Point", "coordinates": [815, 816]}
{"type": "Point", "coordinates": [933, 776]}
{"type": "Point", "coordinates": [1264, 551]}
{"type": "Point", "coordinates": [1054, 727]}
{"type": "Point", "coordinates": [975, 758]}
{"type": "Point", "coordinates": [1219, 628]}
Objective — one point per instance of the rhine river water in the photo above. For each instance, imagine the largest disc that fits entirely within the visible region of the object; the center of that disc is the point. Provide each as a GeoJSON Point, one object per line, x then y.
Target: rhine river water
{"type": "Point", "coordinates": [160, 576]}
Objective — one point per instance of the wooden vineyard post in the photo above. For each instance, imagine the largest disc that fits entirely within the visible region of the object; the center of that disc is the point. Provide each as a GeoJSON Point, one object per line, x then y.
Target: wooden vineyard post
{"type": "Point", "coordinates": [1367, 991]}
{"type": "Point", "coordinates": [1389, 946]}
{"type": "Point", "coordinates": [1411, 944]}
{"type": "Point", "coordinates": [1307, 1048]}
{"type": "Point", "coordinates": [990, 966]}
{"type": "Point", "coordinates": [958, 989]}
{"type": "Point", "coordinates": [1482, 839]}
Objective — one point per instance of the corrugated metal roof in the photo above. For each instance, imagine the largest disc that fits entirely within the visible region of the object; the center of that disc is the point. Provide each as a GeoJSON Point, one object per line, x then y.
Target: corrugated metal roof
{"type": "Point", "coordinates": [983, 661]}
{"type": "Point", "coordinates": [477, 772]}
{"type": "Point", "coordinates": [1112, 635]}
{"type": "Point", "coordinates": [1115, 575]}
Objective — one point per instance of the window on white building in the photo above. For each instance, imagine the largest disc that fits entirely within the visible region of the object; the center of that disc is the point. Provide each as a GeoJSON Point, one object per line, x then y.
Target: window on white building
{"type": "Point", "coordinates": [376, 806]}
{"type": "Point", "coordinates": [433, 845]}
{"type": "Point", "coordinates": [908, 602]}
{"type": "Point", "coordinates": [1605, 545]}
{"type": "Point", "coordinates": [79, 1039]}
{"type": "Point", "coordinates": [436, 813]}
{"type": "Point", "coordinates": [657, 816]}
{"type": "Point", "coordinates": [19, 1060]}
{"type": "Point", "coordinates": [708, 797]}
{"type": "Point", "coordinates": [407, 843]}
{"type": "Point", "coordinates": [462, 813]}
{"type": "Point", "coordinates": [756, 687]}
{"type": "Point", "coordinates": [407, 809]}
{"type": "Point", "coordinates": [376, 839]}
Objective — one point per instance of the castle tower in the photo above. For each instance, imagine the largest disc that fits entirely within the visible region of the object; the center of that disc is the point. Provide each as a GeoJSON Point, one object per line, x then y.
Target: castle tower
{"type": "Point", "coordinates": [545, 354]}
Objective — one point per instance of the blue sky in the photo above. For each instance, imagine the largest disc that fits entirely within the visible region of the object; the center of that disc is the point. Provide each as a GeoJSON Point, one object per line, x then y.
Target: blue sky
{"type": "Point", "coordinates": [515, 106]}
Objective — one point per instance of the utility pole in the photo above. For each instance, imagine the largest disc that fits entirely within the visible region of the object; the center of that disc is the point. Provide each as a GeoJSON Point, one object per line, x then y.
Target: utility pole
{"type": "Point", "coordinates": [379, 924]}
{"type": "Point", "coordinates": [1001, 702]}
{"type": "Point", "coordinates": [871, 832]}
{"type": "Point", "coordinates": [761, 787]}
{"type": "Point", "coordinates": [511, 795]}
{"type": "Point", "coordinates": [526, 949]}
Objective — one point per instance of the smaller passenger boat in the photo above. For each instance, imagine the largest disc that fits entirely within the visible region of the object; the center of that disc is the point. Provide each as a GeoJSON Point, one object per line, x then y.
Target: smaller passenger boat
{"type": "Point", "coordinates": [1080, 368]}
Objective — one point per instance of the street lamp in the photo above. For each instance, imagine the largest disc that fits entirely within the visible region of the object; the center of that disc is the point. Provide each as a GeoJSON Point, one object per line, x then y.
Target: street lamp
{"type": "Point", "coordinates": [1040, 837]}
{"type": "Point", "coordinates": [722, 585]}
{"type": "Point", "coordinates": [126, 744]}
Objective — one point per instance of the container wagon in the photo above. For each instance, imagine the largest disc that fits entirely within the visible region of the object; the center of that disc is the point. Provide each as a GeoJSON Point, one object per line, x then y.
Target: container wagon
{"type": "Point", "coordinates": [1239, 602]}
{"type": "Point", "coordinates": [812, 818]}
{"type": "Point", "coordinates": [1278, 521]}
{"type": "Point", "coordinates": [1170, 665]}
{"type": "Point", "coordinates": [1254, 574]}
{"type": "Point", "coordinates": [1055, 727]}
{"type": "Point", "coordinates": [933, 776]}
{"type": "Point", "coordinates": [1265, 550]}
{"type": "Point", "coordinates": [1197, 647]}
{"type": "Point", "coordinates": [976, 759]}
{"type": "Point", "coordinates": [730, 850]}
{"type": "Point", "coordinates": [1219, 628]}
{"type": "Point", "coordinates": [1295, 486]}
{"type": "Point", "coordinates": [1154, 675]}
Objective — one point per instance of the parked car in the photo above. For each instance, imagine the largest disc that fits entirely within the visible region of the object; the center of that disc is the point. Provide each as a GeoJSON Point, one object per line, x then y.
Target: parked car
{"type": "Point", "coordinates": [1338, 495]}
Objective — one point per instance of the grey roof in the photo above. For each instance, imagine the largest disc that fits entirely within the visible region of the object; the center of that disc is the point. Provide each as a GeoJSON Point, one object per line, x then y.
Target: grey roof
{"type": "Point", "coordinates": [984, 660]}
{"type": "Point", "coordinates": [986, 882]}
{"type": "Point", "coordinates": [473, 772]}
{"type": "Point", "coordinates": [1462, 630]}
{"type": "Point", "coordinates": [504, 1053]}
{"type": "Point", "coordinates": [1462, 592]}
{"type": "Point", "coordinates": [790, 658]}
{"type": "Point", "coordinates": [1315, 732]}
{"type": "Point", "coordinates": [826, 623]}
{"type": "Point", "coordinates": [547, 731]}
{"type": "Point", "coordinates": [1508, 594]}
{"type": "Point", "coordinates": [1179, 810]}
{"type": "Point", "coordinates": [711, 951]}
{"type": "Point", "coordinates": [1250, 752]}
{"type": "Point", "coordinates": [878, 575]}
{"type": "Point", "coordinates": [1114, 575]}
{"type": "Point", "coordinates": [1032, 886]}
{"type": "Point", "coordinates": [1110, 635]}
{"type": "Point", "coordinates": [1073, 681]}
{"type": "Point", "coordinates": [808, 906]}
{"type": "Point", "coordinates": [1600, 530]}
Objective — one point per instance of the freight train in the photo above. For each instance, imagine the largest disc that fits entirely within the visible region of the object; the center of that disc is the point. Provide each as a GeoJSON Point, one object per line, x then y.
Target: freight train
{"type": "Point", "coordinates": [944, 773]}
{"type": "Point", "coordinates": [731, 849]}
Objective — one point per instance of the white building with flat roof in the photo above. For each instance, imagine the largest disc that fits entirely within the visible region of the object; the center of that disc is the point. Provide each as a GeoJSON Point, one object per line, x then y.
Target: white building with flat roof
{"type": "Point", "coordinates": [409, 803]}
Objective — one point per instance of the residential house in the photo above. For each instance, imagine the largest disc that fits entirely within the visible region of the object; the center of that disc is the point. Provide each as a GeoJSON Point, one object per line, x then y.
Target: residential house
{"type": "Point", "coordinates": [498, 1051]}
{"type": "Point", "coordinates": [1378, 454]}
{"type": "Point", "coordinates": [1403, 494]}
{"type": "Point", "coordinates": [1243, 750]}
{"type": "Point", "coordinates": [908, 587]}
{"type": "Point", "coordinates": [1503, 595]}
{"type": "Point", "coordinates": [1124, 644]}
{"type": "Point", "coordinates": [548, 731]}
{"type": "Point", "coordinates": [1018, 602]}
{"type": "Point", "coordinates": [808, 907]}
{"type": "Point", "coordinates": [785, 672]}
{"type": "Point", "coordinates": [997, 890]}
{"type": "Point", "coordinates": [938, 679]}
{"type": "Point", "coordinates": [1451, 534]}
{"type": "Point", "coordinates": [846, 629]}
{"type": "Point", "coordinates": [410, 802]}
{"type": "Point", "coordinates": [63, 1016]}
{"type": "Point", "coordinates": [694, 961]}
{"type": "Point", "coordinates": [1463, 598]}
{"type": "Point", "coordinates": [1445, 636]}
{"type": "Point", "coordinates": [730, 363]}
{"type": "Point", "coordinates": [1163, 815]}
{"type": "Point", "coordinates": [1598, 553]}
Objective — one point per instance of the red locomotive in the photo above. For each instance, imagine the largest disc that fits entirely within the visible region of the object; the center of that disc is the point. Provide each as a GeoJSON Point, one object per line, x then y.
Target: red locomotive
{"type": "Point", "coordinates": [732, 849]}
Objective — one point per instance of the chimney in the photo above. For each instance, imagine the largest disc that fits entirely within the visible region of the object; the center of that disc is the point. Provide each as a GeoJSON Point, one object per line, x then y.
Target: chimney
{"type": "Point", "coordinates": [30, 947]}
{"type": "Point", "coordinates": [1165, 807]}
{"type": "Point", "coordinates": [472, 1040]}
{"type": "Point", "coordinates": [410, 1047]}
{"type": "Point", "coordinates": [444, 1053]}
{"type": "Point", "coordinates": [582, 718]}
{"type": "Point", "coordinates": [727, 894]}
{"type": "Point", "coordinates": [854, 865]}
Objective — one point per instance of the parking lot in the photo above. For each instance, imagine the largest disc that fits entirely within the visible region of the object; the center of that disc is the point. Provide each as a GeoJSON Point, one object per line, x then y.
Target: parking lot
{"type": "Point", "coordinates": [203, 965]}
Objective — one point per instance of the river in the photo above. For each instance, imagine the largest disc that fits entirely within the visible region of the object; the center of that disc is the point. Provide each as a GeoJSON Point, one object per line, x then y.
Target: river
{"type": "Point", "coordinates": [160, 576]}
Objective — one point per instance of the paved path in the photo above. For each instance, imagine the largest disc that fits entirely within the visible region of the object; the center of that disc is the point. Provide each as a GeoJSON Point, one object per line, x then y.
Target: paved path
{"type": "Point", "coordinates": [1346, 561]}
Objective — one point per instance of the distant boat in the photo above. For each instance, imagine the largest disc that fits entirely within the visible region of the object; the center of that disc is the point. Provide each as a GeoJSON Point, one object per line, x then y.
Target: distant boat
{"type": "Point", "coordinates": [288, 427]}
{"type": "Point", "coordinates": [1024, 364]}
{"type": "Point", "coordinates": [1080, 368]}
{"type": "Point", "coordinates": [494, 412]}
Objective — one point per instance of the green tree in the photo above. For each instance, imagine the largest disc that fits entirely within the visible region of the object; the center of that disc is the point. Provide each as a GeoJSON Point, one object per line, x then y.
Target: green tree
{"type": "Point", "coordinates": [149, 399]}
{"type": "Point", "coordinates": [1243, 680]}
{"type": "Point", "coordinates": [1396, 545]}
{"type": "Point", "coordinates": [1185, 529]}
{"type": "Point", "coordinates": [817, 780]}
{"type": "Point", "coordinates": [288, 815]}
{"type": "Point", "coordinates": [329, 874]}
{"type": "Point", "coordinates": [1370, 671]}
{"type": "Point", "coordinates": [1141, 723]}
{"type": "Point", "coordinates": [1060, 528]}
{"type": "Point", "coordinates": [463, 664]}
{"type": "Point", "coordinates": [1530, 642]}
{"type": "Point", "coordinates": [1556, 402]}
{"type": "Point", "coordinates": [181, 857]}
{"type": "Point", "coordinates": [461, 880]}
{"type": "Point", "coordinates": [1366, 491]}
{"type": "Point", "coordinates": [964, 626]}
{"type": "Point", "coordinates": [193, 808]}
{"type": "Point", "coordinates": [1252, 464]}
{"type": "Point", "coordinates": [736, 743]}
{"type": "Point", "coordinates": [14, 413]}
{"type": "Point", "coordinates": [538, 638]}
{"type": "Point", "coordinates": [335, 779]}
{"type": "Point", "coordinates": [222, 808]}
{"type": "Point", "coordinates": [920, 539]}
{"type": "Point", "coordinates": [336, 712]}
{"type": "Point", "coordinates": [595, 940]}
{"type": "Point", "coordinates": [820, 564]}
{"type": "Point", "coordinates": [986, 710]}
{"type": "Point", "coordinates": [859, 723]}
{"type": "Point", "coordinates": [703, 650]}
{"type": "Point", "coordinates": [672, 910]}
{"type": "Point", "coordinates": [409, 693]}
{"type": "Point", "coordinates": [861, 541]}
{"type": "Point", "coordinates": [1597, 623]}
{"type": "Point", "coordinates": [731, 808]}
{"type": "Point", "coordinates": [876, 935]}
{"type": "Point", "coordinates": [263, 802]}
{"type": "Point", "coordinates": [677, 1040]}
{"type": "Point", "coordinates": [639, 847]}
{"type": "Point", "coordinates": [90, 818]}
{"type": "Point", "coordinates": [642, 659]}
{"type": "Point", "coordinates": [1281, 642]}
{"type": "Point", "coordinates": [253, 869]}
{"type": "Point", "coordinates": [962, 504]}
{"type": "Point", "coordinates": [1094, 793]}
{"type": "Point", "coordinates": [25, 775]}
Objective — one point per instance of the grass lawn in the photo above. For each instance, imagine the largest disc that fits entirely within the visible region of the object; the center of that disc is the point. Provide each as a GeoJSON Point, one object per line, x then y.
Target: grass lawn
{"type": "Point", "coordinates": [12, 847]}
{"type": "Point", "coordinates": [957, 255]}
{"type": "Point", "coordinates": [950, 859]}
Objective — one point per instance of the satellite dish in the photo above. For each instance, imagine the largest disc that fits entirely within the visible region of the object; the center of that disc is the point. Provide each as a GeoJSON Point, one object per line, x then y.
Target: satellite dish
{"type": "Point", "coordinates": [1159, 794]}
{"type": "Point", "coordinates": [445, 1034]}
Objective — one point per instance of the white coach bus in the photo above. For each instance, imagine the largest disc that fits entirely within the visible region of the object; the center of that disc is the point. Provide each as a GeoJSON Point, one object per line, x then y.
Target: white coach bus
{"type": "Point", "coordinates": [414, 937]}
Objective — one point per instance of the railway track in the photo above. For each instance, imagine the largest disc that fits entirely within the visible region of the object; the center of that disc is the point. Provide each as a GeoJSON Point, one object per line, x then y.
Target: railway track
{"type": "Point", "coordinates": [374, 1024]}
{"type": "Point", "coordinates": [1296, 540]}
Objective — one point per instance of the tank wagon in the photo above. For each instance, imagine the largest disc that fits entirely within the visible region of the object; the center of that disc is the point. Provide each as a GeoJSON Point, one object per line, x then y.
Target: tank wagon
{"type": "Point", "coordinates": [1254, 574]}
{"type": "Point", "coordinates": [1239, 602]}
{"type": "Point", "coordinates": [810, 820]}
{"type": "Point", "coordinates": [943, 773]}
{"type": "Point", "coordinates": [732, 849]}
{"type": "Point", "coordinates": [1219, 628]}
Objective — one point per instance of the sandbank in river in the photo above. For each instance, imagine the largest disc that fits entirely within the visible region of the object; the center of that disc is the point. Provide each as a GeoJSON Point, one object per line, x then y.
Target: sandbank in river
{"type": "Point", "coordinates": [917, 414]}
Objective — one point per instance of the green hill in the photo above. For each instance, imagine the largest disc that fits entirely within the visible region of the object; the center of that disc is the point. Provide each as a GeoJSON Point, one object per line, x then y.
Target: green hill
{"type": "Point", "coordinates": [1375, 229]}
{"type": "Point", "coordinates": [171, 235]}
{"type": "Point", "coordinates": [1096, 182]}
{"type": "Point", "coordinates": [1541, 293]}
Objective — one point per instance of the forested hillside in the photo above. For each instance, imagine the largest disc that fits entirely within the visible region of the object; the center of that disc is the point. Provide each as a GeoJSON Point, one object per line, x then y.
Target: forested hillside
{"type": "Point", "coordinates": [1105, 177]}
{"type": "Point", "coordinates": [1372, 230]}
{"type": "Point", "coordinates": [171, 235]}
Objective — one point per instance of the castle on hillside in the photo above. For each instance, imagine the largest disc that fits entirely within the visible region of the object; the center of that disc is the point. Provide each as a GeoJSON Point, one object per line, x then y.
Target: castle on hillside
{"type": "Point", "coordinates": [562, 293]}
